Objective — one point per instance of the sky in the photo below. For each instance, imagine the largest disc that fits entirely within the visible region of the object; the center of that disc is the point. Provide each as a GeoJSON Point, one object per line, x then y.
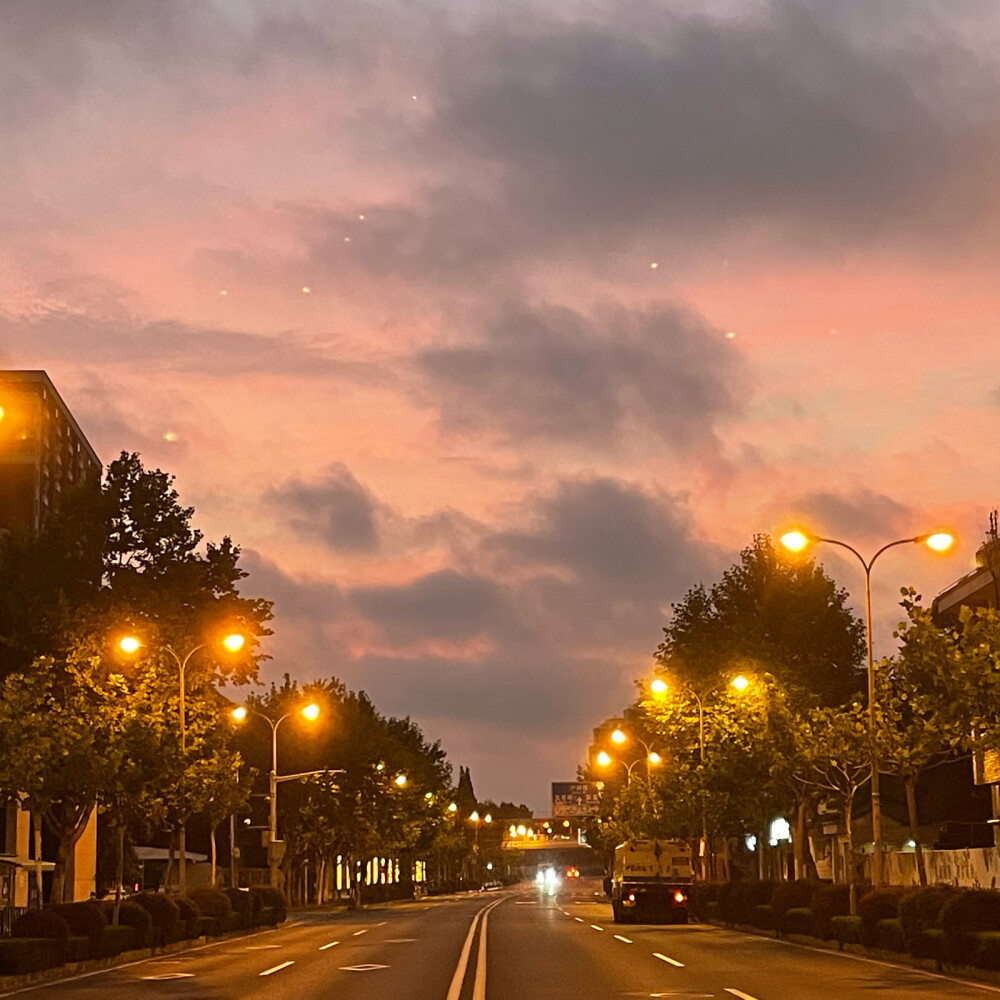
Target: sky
{"type": "Point", "coordinates": [489, 329]}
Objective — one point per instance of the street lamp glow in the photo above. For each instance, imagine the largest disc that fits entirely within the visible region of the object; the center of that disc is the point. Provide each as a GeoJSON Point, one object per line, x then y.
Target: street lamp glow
{"type": "Point", "coordinates": [239, 713]}
{"type": "Point", "coordinates": [129, 644]}
{"type": "Point", "coordinates": [795, 541]}
{"type": "Point", "coordinates": [487, 818]}
{"type": "Point", "coordinates": [311, 712]}
{"type": "Point", "coordinates": [400, 780]}
{"type": "Point", "coordinates": [604, 759]}
{"type": "Point", "coordinates": [522, 830]}
{"type": "Point", "coordinates": [940, 541]}
{"type": "Point", "coordinates": [658, 686]}
{"type": "Point", "coordinates": [740, 683]}
{"type": "Point", "coordinates": [234, 642]}
{"type": "Point", "coordinates": [618, 737]}
{"type": "Point", "coordinates": [654, 758]}
{"type": "Point", "coordinates": [474, 816]}
{"type": "Point", "coordinates": [452, 808]}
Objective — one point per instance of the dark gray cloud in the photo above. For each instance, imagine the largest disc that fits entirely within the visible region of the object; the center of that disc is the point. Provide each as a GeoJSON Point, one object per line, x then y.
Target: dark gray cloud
{"type": "Point", "coordinates": [335, 509]}
{"type": "Point", "coordinates": [553, 373]}
{"type": "Point", "coordinates": [441, 605]}
{"type": "Point", "coordinates": [700, 126]}
{"type": "Point", "coordinates": [860, 514]}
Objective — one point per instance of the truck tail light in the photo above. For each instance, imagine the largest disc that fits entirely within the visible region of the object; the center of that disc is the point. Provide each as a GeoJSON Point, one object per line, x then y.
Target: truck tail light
{"type": "Point", "coordinates": [679, 897]}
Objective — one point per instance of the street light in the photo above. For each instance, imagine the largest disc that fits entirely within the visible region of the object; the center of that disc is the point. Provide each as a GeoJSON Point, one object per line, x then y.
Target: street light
{"type": "Point", "coordinates": [130, 645]}
{"type": "Point", "coordinates": [660, 687]}
{"type": "Point", "coordinates": [652, 758]}
{"type": "Point", "coordinates": [938, 541]}
{"type": "Point", "coordinates": [310, 712]}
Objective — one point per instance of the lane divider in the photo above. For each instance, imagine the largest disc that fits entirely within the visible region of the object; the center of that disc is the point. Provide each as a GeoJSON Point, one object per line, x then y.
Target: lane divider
{"type": "Point", "coordinates": [356, 933]}
{"type": "Point", "coordinates": [332, 944]}
{"type": "Point", "coordinates": [618, 937]}
{"type": "Point", "coordinates": [455, 990]}
{"type": "Point", "coordinates": [671, 961]}
{"type": "Point", "coordinates": [579, 919]}
{"type": "Point", "coordinates": [277, 968]}
{"type": "Point", "coordinates": [738, 993]}
{"type": "Point", "coordinates": [596, 928]}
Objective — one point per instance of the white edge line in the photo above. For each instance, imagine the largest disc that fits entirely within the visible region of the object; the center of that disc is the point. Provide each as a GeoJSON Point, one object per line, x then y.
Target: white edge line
{"type": "Point", "coordinates": [618, 937]}
{"type": "Point", "coordinates": [277, 968]}
{"type": "Point", "coordinates": [124, 965]}
{"type": "Point", "coordinates": [323, 947]}
{"type": "Point", "coordinates": [741, 995]}
{"type": "Point", "coordinates": [671, 961]}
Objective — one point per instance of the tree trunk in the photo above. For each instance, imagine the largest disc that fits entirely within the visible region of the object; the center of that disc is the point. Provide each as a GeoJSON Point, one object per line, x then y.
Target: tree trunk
{"type": "Point", "coordinates": [170, 861]}
{"type": "Point", "coordinates": [214, 854]}
{"type": "Point", "coordinates": [910, 784]}
{"type": "Point", "coordinates": [119, 872]}
{"type": "Point", "coordinates": [69, 832]}
{"type": "Point", "coordinates": [852, 882]}
{"type": "Point", "coordinates": [36, 818]}
{"type": "Point", "coordinates": [321, 882]}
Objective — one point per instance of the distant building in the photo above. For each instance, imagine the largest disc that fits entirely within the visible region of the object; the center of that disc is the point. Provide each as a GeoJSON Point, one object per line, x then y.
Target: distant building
{"type": "Point", "coordinates": [43, 452]}
{"type": "Point", "coordinates": [979, 588]}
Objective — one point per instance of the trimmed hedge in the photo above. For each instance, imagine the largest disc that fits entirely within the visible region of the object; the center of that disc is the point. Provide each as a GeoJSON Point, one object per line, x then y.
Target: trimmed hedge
{"type": "Point", "coordinates": [274, 899]}
{"type": "Point", "coordinates": [211, 902]}
{"type": "Point", "coordinates": [962, 918]}
{"type": "Point", "coordinates": [703, 894]}
{"type": "Point", "coordinates": [830, 901]}
{"type": "Point", "coordinates": [879, 904]}
{"type": "Point", "coordinates": [113, 941]}
{"type": "Point", "coordinates": [243, 903]}
{"type": "Point", "coordinates": [763, 917]}
{"type": "Point", "coordinates": [84, 919]}
{"type": "Point", "coordinates": [132, 915]}
{"type": "Point", "coordinates": [75, 949]}
{"type": "Point", "coordinates": [207, 927]}
{"type": "Point", "coordinates": [888, 935]}
{"type": "Point", "coordinates": [163, 913]}
{"type": "Point", "coordinates": [798, 920]}
{"type": "Point", "coordinates": [791, 895]}
{"type": "Point", "coordinates": [747, 897]}
{"type": "Point", "coordinates": [41, 924]}
{"type": "Point", "coordinates": [19, 956]}
{"type": "Point", "coordinates": [920, 911]}
{"type": "Point", "coordinates": [846, 930]}
{"type": "Point", "coordinates": [188, 914]}
{"type": "Point", "coordinates": [983, 949]}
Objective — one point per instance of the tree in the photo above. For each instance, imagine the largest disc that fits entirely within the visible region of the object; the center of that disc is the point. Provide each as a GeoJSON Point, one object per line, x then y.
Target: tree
{"type": "Point", "coordinates": [769, 614]}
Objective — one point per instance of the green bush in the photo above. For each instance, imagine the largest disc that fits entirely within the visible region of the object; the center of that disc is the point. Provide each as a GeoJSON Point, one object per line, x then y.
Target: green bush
{"type": "Point", "coordinates": [273, 898]}
{"type": "Point", "coordinates": [726, 898]}
{"type": "Point", "coordinates": [888, 935]}
{"type": "Point", "coordinates": [84, 919]}
{"type": "Point", "coordinates": [830, 901]}
{"type": "Point", "coordinates": [211, 902]}
{"type": "Point", "coordinates": [703, 894]}
{"type": "Point", "coordinates": [846, 930]}
{"type": "Point", "coordinates": [972, 912]}
{"type": "Point", "coordinates": [763, 917]}
{"type": "Point", "coordinates": [984, 949]}
{"type": "Point", "coordinates": [879, 904]}
{"type": "Point", "coordinates": [19, 956]}
{"type": "Point", "coordinates": [798, 920]}
{"type": "Point", "coordinates": [207, 927]}
{"type": "Point", "coordinates": [163, 912]}
{"type": "Point", "coordinates": [41, 924]}
{"type": "Point", "coordinates": [188, 914]}
{"type": "Point", "coordinates": [746, 897]}
{"type": "Point", "coordinates": [242, 902]}
{"type": "Point", "coordinates": [267, 917]}
{"type": "Point", "coordinates": [926, 944]}
{"type": "Point", "coordinates": [791, 895]}
{"type": "Point", "coordinates": [920, 911]}
{"type": "Point", "coordinates": [75, 949]}
{"type": "Point", "coordinates": [231, 922]}
{"type": "Point", "coordinates": [113, 941]}
{"type": "Point", "coordinates": [132, 915]}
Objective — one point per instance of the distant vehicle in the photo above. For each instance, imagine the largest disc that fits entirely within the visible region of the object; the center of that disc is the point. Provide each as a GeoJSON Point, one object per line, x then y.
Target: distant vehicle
{"type": "Point", "coordinates": [572, 872]}
{"type": "Point", "coordinates": [651, 881]}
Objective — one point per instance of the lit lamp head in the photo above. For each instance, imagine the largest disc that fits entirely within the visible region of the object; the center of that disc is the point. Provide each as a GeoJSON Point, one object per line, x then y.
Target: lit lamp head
{"type": "Point", "coordinates": [239, 713]}
{"type": "Point", "coordinates": [939, 541]}
{"type": "Point", "coordinates": [311, 712]}
{"type": "Point", "coordinates": [400, 780]}
{"type": "Point", "coordinates": [796, 540]}
{"type": "Point", "coordinates": [739, 683]}
{"type": "Point", "coordinates": [604, 758]}
{"type": "Point", "coordinates": [129, 644]}
{"type": "Point", "coordinates": [474, 816]}
{"type": "Point", "coordinates": [234, 642]}
{"type": "Point", "coordinates": [618, 737]}
{"type": "Point", "coordinates": [658, 686]}
{"type": "Point", "coordinates": [487, 818]}
{"type": "Point", "coordinates": [452, 807]}
{"type": "Point", "coordinates": [654, 758]}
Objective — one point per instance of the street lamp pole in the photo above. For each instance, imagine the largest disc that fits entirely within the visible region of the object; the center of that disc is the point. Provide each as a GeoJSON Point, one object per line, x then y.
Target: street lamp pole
{"type": "Point", "coordinates": [939, 541]}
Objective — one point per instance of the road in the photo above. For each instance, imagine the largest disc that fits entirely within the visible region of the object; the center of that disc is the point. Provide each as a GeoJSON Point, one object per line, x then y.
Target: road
{"type": "Point", "coordinates": [536, 948]}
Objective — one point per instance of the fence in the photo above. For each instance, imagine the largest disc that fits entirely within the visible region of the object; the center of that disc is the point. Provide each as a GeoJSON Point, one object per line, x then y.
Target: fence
{"type": "Point", "coordinates": [976, 867]}
{"type": "Point", "coordinates": [8, 915]}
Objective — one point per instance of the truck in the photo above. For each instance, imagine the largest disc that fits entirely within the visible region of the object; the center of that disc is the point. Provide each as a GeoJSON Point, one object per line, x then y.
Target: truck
{"type": "Point", "coordinates": [651, 881]}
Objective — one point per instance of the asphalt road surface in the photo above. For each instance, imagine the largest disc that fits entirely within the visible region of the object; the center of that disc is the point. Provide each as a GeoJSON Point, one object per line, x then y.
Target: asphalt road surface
{"type": "Point", "coordinates": [511, 945]}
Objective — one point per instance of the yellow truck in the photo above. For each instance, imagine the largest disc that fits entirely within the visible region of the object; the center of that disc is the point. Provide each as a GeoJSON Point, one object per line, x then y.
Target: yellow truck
{"type": "Point", "coordinates": [650, 881]}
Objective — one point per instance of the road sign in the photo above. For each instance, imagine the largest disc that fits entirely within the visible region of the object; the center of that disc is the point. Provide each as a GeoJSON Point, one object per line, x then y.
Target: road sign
{"type": "Point", "coordinates": [576, 798]}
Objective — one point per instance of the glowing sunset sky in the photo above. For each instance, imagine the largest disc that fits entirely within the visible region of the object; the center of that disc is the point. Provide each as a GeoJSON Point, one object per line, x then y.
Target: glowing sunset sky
{"type": "Point", "coordinates": [376, 282]}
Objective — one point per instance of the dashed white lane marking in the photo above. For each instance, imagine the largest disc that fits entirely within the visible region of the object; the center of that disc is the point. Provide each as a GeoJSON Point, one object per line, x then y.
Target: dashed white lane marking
{"type": "Point", "coordinates": [596, 927]}
{"type": "Point", "coordinates": [399, 940]}
{"type": "Point", "coordinates": [356, 933]}
{"type": "Point", "coordinates": [332, 944]}
{"type": "Point", "coordinates": [618, 937]}
{"type": "Point", "coordinates": [362, 968]}
{"type": "Point", "coordinates": [671, 961]}
{"type": "Point", "coordinates": [382, 924]}
{"type": "Point", "coordinates": [579, 919]}
{"type": "Point", "coordinates": [277, 968]}
{"type": "Point", "coordinates": [261, 947]}
{"type": "Point", "coordinates": [742, 996]}
{"type": "Point", "coordinates": [169, 975]}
